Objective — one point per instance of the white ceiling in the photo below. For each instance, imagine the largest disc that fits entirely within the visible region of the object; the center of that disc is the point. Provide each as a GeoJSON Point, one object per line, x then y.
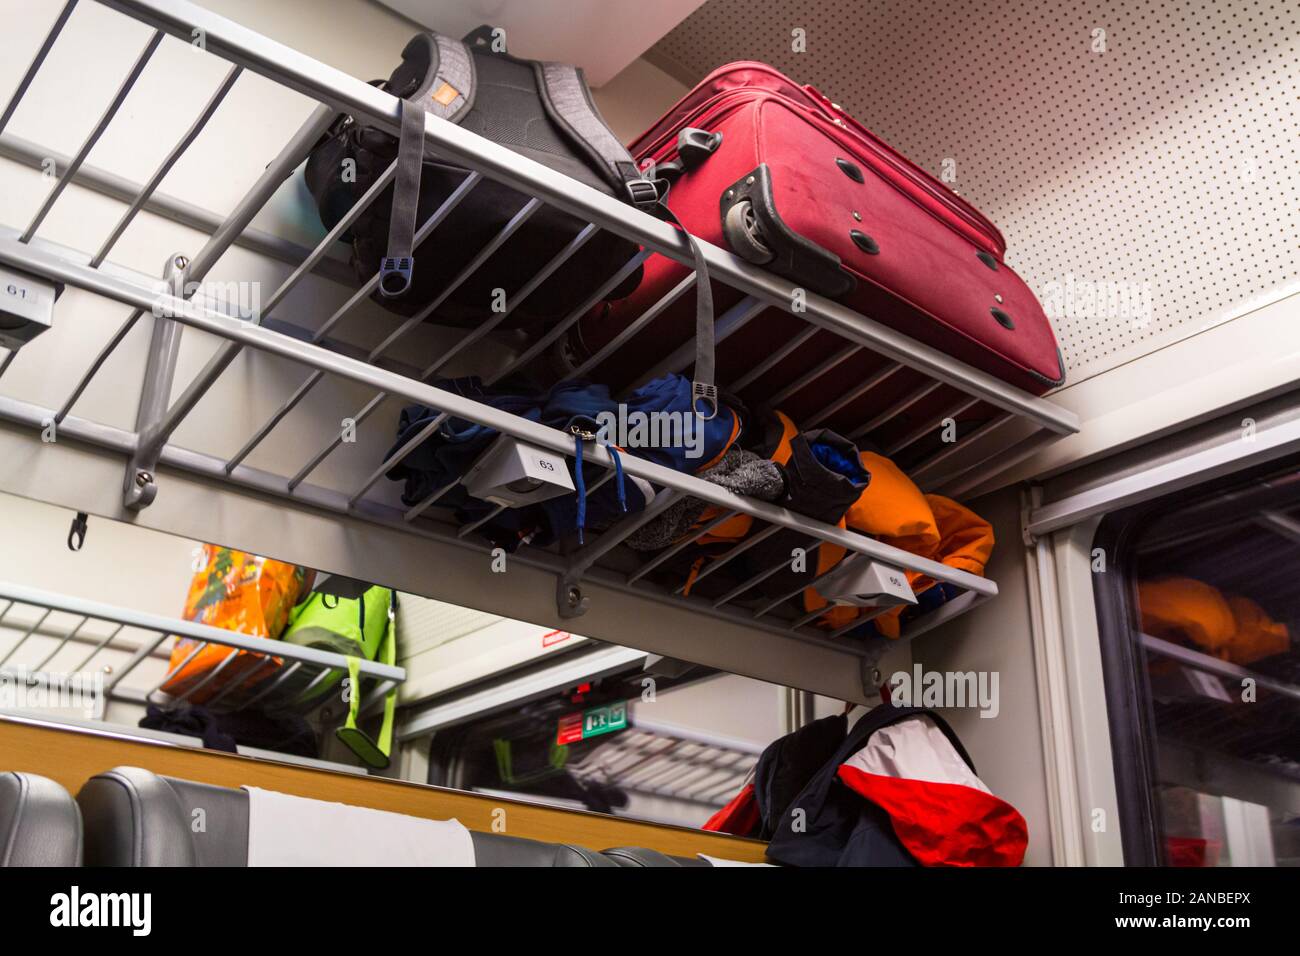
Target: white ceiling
{"type": "Point", "coordinates": [601, 36]}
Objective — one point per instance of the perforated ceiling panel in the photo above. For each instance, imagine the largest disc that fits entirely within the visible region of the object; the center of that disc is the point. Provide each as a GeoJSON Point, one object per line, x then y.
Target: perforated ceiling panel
{"type": "Point", "coordinates": [1140, 156]}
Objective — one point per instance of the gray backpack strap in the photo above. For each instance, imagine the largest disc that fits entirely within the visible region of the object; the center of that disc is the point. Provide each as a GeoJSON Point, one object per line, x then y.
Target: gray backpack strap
{"type": "Point", "coordinates": [397, 266]}
{"type": "Point", "coordinates": [446, 89]}
{"type": "Point", "coordinates": [567, 100]}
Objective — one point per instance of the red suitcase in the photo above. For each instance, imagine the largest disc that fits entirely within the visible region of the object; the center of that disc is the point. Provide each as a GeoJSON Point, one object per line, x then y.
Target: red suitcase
{"type": "Point", "coordinates": [797, 185]}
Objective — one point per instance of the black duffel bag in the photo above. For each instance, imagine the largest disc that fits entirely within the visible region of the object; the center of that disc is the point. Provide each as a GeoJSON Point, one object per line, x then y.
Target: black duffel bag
{"type": "Point", "coordinates": [541, 110]}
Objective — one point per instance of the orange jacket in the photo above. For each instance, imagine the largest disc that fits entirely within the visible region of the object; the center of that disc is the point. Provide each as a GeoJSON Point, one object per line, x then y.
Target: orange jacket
{"type": "Point", "coordinates": [1193, 613]}
{"type": "Point", "coordinates": [1257, 635]}
{"type": "Point", "coordinates": [953, 535]}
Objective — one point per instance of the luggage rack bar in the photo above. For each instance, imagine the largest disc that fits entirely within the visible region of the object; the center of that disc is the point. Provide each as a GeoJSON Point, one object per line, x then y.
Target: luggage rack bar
{"type": "Point", "coordinates": [336, 92]}
{"type": "Point", "coordinates": [125, 190]}
{"type": "Point", "coordinates": [148, 634]}
{"type": "Point", "coordinates": [150, 187]}
{"type": "Point", "coordinates": [89, 143]}
{"type": "Point", "coordinates": [35, 66]}
{"type": "Point", "coordinates": [1213, 665]}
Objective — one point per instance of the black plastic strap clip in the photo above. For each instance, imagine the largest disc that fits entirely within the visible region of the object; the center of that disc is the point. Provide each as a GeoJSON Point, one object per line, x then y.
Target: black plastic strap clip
{"type": "Point", "coordinates": [395, 275]}
{"type": "Point", "coordinates": [642, 193]}
{"type": "Point", "coordinates": [708, 394]}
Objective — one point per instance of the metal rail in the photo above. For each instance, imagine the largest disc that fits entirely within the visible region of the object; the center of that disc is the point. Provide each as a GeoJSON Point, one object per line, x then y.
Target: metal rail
{"type": "Point", "coordinates": [210, 468]}
{"type": "Point", "coordinates": [65, 178]}
{"type": "Point", "coordinates": [27, 153]}
{"type": "Point", "coordinates": [1219, 668]}
{"type": "Point", "coordinates": [645, 759]}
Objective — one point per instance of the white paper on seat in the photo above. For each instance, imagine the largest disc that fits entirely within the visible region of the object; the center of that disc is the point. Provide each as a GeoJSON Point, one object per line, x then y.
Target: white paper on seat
{"type": "Point", "coordinates": [721, 861]}
{"type": "Point", "coordinates": [285, 830]}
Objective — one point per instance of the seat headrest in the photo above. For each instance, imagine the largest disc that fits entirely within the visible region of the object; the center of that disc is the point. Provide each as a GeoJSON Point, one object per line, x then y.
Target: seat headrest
{"type": "Point", "coordinates": [40, 824]}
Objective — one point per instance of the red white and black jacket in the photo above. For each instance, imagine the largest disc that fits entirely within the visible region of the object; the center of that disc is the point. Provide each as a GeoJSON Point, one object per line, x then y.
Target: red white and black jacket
{"type": "Point", "coordinates": [897, 790]}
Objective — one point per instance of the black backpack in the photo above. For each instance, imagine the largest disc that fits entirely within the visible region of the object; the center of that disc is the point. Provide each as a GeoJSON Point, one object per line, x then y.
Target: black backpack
{"type": "Point", "coordinates": [541, 110]}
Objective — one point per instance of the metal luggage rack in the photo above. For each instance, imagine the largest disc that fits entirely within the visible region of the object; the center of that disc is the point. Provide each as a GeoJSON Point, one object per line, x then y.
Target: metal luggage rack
{"type": "Point", "coordinates": [87, 634]}
{"type": "Point", "coordinates": [998, 443]}
{"type": "Point", "coordinates": [666, 761]}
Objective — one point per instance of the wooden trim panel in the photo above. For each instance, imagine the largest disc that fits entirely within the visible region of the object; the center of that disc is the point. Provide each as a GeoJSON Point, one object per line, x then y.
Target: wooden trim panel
{"type": "Point", "coordinates": [72, 756]}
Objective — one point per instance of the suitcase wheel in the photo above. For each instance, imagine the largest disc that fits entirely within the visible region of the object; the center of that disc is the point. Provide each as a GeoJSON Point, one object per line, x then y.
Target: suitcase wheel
{"type": "Point", "coordinates": [756, 232]}
{"type": "Point", "coordinates": [745, 235]}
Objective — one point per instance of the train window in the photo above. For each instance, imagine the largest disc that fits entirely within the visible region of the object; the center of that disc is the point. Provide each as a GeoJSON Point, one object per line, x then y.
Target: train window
{"type": "Point", "coordinates": [1199, 617]}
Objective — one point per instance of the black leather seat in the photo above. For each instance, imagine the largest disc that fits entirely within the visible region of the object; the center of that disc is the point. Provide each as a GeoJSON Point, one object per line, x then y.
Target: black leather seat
{"type": "Point", "coordinates": [39, 822]}
{"type": "Point", "coordinates": [135, 817]}
{"type": "Point", "coordinates": [498, 849]}
{"type": "Point", "coordinates": [635, 856]}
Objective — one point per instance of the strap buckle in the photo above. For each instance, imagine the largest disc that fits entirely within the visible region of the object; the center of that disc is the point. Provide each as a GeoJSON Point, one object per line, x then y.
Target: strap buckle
{"type": "Point", "coordinates": [701, 391]}
{"type": "Point", "coordinates": [642, 192]}
{"type": "Point", "coordinates": [395, 275]}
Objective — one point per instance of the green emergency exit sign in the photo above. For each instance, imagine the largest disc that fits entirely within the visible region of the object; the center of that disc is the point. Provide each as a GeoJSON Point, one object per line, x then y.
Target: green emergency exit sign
{"type": "Point", "coordinates": [592, 722]}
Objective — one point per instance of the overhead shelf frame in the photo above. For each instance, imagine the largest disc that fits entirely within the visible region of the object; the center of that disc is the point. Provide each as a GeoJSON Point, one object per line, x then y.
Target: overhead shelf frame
{"type": "Point", "coordinates": [148, 447]}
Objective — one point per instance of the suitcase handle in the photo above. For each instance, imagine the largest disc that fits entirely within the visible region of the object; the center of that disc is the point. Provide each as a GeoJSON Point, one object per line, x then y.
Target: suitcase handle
{"type": "Point", "coordinates": [694, 146]}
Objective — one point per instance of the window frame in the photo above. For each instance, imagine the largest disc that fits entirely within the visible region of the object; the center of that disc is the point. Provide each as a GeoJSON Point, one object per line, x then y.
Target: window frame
{"type": "Point", "coordinates": [1129, 711]}
{"type": "Point", "coordinates": [1128, 701]}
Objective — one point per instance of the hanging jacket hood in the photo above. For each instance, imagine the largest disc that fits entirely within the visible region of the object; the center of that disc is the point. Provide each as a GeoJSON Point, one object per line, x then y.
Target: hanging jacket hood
{"type": "Point", "coordinates": [899, 790]}
{"type": "Point", "coordinates": [785, 768]}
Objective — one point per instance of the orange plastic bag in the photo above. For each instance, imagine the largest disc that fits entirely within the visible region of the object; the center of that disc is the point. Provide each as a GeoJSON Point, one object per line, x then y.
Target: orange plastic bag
{"type": "Point", "coordinates": [240, 592]}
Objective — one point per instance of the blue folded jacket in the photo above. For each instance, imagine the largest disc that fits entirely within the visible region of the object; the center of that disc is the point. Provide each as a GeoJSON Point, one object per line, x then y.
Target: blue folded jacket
{"type": "Point", "coordinates": [655, 423]}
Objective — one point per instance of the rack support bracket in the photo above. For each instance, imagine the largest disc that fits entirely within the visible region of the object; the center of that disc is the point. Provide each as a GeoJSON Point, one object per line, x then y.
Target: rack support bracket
{"type": "Point", "coordinates": [140, 484]}
{"type": "Point", "coordinates": [570, 601]}
{"type": "Point", "coordinates": [872, 678]}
